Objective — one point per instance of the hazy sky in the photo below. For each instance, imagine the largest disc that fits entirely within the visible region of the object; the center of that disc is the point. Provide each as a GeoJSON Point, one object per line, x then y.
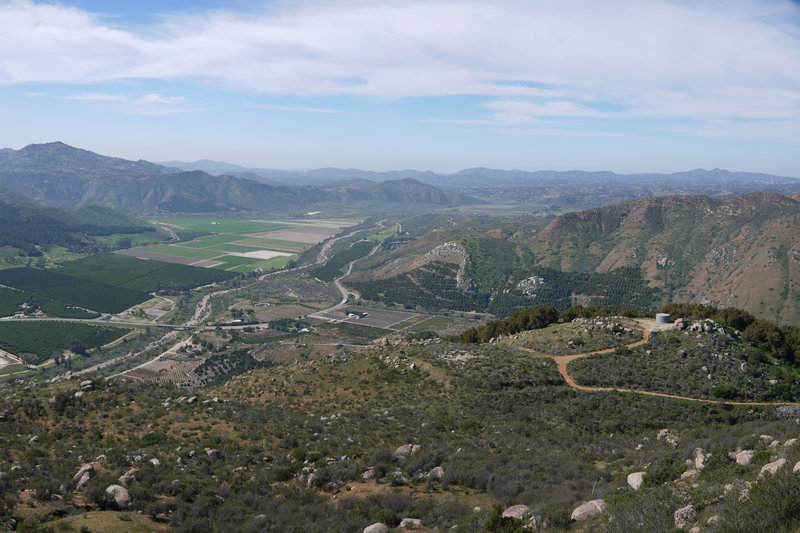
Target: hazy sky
{"type": "Point", "coordinates": [623, 85]}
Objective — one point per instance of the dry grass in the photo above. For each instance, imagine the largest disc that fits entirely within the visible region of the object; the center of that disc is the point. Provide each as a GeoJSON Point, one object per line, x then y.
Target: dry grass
{"type": "Point", "coordinates": [110, 522]}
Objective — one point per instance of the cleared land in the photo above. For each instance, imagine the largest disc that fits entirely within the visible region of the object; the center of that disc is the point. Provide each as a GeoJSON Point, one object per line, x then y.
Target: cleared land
{"type": "Point", "coordinates": [365, 316]}
{"type": "Point", "coordinates": [239, 244]}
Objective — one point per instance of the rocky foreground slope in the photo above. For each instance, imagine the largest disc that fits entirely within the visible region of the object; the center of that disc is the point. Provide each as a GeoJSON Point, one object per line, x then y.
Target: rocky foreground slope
{"type": "Point", "coordinates": [427, 433]}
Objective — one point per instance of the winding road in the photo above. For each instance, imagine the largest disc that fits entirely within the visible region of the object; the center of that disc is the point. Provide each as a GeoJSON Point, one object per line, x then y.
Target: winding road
{"type": "Point", "coordinates": [563, 361]}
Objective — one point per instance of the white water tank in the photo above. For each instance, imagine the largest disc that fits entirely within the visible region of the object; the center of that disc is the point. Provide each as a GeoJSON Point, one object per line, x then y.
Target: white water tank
{"type": "Point", "coordinates": [662, 318]}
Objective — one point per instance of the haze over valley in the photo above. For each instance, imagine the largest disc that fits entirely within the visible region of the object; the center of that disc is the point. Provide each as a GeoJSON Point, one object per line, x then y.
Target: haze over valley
{"type": "Point", "coordinates": [399, 266]}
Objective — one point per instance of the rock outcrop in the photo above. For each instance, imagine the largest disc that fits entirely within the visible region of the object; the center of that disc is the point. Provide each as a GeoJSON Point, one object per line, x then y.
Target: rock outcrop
{"type": "Point", "coordinates": [635, 480]}
{"type": "Point", "coordinates": [684, 516]}
{"type": "Point", "coordinates": [119, 496]}
{"type": "Point", "coordinates": [588, 510]}
{"type": "Point", "coordinates": [772, 468]}
{"type": "Point", "coordinates": [81, 479]}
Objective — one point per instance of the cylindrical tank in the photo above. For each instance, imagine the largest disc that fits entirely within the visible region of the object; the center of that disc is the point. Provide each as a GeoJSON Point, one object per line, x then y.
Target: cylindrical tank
{"type": "Point", "coordinates": [662, 318]}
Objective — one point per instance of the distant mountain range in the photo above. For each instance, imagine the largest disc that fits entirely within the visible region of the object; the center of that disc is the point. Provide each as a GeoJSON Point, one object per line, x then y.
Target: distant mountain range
{"type": "Point", "coordinates": [59, 175]}
{"type": "Point", "coordinates": [690, 180]}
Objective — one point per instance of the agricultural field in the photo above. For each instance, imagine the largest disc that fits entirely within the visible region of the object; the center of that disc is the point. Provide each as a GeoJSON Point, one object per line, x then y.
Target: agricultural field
{"type": "Point", "coordinates": [103, 283]}
{"type": "Point", "coordinates": [36, 341]}
{"type": "Point", "coordinates": [238, 244]}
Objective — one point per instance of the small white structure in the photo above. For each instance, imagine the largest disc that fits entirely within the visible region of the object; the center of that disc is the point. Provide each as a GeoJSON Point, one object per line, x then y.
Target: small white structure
{"type": "Point", "coordinates": [662, 318]}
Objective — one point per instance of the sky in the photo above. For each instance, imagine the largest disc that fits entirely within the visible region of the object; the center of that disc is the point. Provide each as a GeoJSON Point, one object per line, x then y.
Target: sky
{"type": "Point", "coordinates": [621, 85]}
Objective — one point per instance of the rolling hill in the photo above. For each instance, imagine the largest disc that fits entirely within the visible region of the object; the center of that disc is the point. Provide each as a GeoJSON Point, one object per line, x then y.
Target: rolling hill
{"type": "Point", "coordinates": [59, 175]}
{"type": "Point", "coordinates": [741, 251]}
{"type": "Point", "coordinates": [27, 226]}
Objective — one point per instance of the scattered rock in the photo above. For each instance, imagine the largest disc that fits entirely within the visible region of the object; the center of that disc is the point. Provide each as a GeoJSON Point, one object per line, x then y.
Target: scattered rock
{"type": "Point", "coordinates": [744, 457]}
{"type": "Point", "coordinates": [692, 472]}
{"type": "Point", "coordinates": [402, 451]}
{"type": "Point", "coordinates": [588, 510]}
{"type": "Point", "coordinates": [699, 458]}
{"type": "Point", "coordinates": [772, 467]}
{"type": "Point", "coordinates": [788, 412]}
{"type": "Point", "coordinates": [33, 439]}
{"type": "Point", "coordinates": [86, 385]}
{"type": "Point", "coordinates": [119, 495]}
{"type": "Point", "coordinates": [436, 473]}
{"type": "Point", "coordinates": [407, 449]}
{"type": "Point", "coordinates": [523, 512]}
{"type": "Point", "coordinates": [410, 523]}
{"type": "Point", "coordinates": [83, 476]}
{"type": "Point", "coordinates": [369, 473]}
{"type": "Point", "coordinates": [667, 437]}
{"type": "Point", "coordinates": [519, 512]}
{"type": "Point", "coordinates": [635, 480]}
{"type": "Point", "coordinates": [684, 516]}
{"type": "Point", "coordinates": [155, 462]}
{"type": "Point", "coordinates": [790, 442]}
{"type": "Point", "coordinates": [397, 478]}
{"type": "Point", "coordinates": [796, 468]}
{"type": "Point", "coordinates": [377, 527]}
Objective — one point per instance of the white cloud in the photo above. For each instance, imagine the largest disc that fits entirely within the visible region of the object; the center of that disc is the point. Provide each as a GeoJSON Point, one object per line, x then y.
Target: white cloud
{"type": "Point", "coordinates": [518, 111]}
{"type": "Point", "coordinates": [97, 97]}
{"type": "Point", "coordinates": [147, 104]}
{"type": "Point", "coordinates": [703, 60]}
{"type": "Point", "coordinates": [308, 110]}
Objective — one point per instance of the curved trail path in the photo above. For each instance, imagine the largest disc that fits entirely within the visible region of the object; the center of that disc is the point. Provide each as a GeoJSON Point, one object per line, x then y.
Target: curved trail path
{"type": "Point", "coordinates": [563, 360]}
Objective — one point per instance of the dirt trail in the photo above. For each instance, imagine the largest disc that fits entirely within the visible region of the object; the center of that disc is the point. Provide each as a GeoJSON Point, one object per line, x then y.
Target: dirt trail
{"type": "Point", "coordinates": [562, 362]}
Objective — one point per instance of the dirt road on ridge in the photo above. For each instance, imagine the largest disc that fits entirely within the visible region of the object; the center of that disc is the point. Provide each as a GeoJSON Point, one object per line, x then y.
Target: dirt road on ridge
{"type": "Point", "coordinates": [562, 362]}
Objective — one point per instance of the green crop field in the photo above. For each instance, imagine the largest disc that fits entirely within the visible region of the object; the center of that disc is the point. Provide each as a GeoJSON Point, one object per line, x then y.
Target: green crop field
{"type": "Point", "coordinates": [182, 251]}
{"type": "Point", "coordinates": [234, 248]}
{"type": "Point", "coordinates": [9, 301]}
{"type": "Point", "coordinates": [224, 225]}
{"type": "Point", "coordinates": [212, 240]}
{"type": "Point", "coordinates": [35, 342]}
{"type": "Point", "coordinates": [385, 234]}
{"type": "Point", "coordinates": [106, 283]}
{"type": "Point", "coordinates": [275, 262]}
{"type": "Point", "coordinates": [261, 241]}
{"type": "Point", "coordinates": [109, 269]}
